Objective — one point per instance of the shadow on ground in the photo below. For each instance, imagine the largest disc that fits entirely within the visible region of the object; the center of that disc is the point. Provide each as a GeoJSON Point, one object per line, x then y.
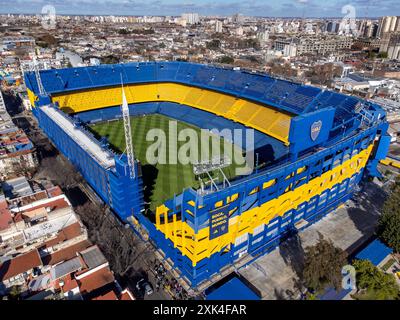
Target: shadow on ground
{"type": "Point", "coordinates": [366, 211]}
{"type": "Point", "coordinates": [292, 252]}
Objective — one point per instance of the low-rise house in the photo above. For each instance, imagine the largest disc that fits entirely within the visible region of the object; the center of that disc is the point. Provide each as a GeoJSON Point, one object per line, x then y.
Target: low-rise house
{"type": "Point", "coordinates": [16, 271]}
{"type": "Point", "coordinates": [17, 153]}
{"type": "Point", "coordinates": [44, 220]}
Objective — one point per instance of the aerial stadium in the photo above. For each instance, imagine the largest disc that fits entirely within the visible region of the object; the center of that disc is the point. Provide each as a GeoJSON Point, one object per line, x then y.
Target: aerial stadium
{"type": "Point", "coordinates": [312, 147]}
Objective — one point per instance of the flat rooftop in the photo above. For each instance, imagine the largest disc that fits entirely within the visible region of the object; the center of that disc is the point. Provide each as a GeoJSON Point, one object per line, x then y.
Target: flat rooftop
{"type": "Point", "coordinates": [375, 252]}
{"type": "Point", "coordinates": [234, 289]}
{"type": "Point", "coordinates": [104, 157]}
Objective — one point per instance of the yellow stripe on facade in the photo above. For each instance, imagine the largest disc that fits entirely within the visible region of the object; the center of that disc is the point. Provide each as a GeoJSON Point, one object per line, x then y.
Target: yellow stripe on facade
{"type": "Point", "coordinates": [31, 96]}
{"type": "Point", "coordinates": [265, 119]}
{"type": "Point", "coordinates": [391, 162]}
{"type": "Point", "coordinates": [247, 221]}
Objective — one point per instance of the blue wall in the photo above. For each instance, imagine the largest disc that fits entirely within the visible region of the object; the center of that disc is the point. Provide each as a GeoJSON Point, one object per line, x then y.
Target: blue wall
{"type": "Point", "coordinates": [114, 186]}
{"type": "Point", "coordinates": [301, 136]}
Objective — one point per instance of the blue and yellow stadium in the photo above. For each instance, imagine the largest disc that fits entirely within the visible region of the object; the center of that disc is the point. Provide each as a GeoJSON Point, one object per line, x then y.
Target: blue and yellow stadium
{"type": "Point", "coordinates": [317, 145]}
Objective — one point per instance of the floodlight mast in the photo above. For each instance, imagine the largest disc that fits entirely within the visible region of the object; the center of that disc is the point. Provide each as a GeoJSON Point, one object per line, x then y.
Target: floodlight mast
{"type": "Point", "coordinates": [128, 134]}
{"type": "Point", "coordinates": [37, 75]}
{"type": "Point", "coordinates": [2, 103]}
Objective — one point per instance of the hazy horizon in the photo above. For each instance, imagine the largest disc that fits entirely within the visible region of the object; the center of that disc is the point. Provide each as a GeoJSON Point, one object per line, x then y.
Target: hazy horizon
{"type": "Point", "coordinates": [257, 8]}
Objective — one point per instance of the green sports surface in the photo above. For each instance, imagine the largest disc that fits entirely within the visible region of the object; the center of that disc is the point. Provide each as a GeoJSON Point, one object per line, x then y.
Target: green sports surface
{"type": "Point", "coordinates": [162, 181]}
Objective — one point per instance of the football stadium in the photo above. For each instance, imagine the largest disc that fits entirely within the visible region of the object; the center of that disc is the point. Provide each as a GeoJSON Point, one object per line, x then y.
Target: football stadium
{"type": "Point", "coordinates": [312, 148]}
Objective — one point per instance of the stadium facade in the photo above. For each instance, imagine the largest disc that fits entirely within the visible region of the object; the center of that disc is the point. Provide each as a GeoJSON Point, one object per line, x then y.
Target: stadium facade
{"type": "Point", "coordinates": [317, 145]}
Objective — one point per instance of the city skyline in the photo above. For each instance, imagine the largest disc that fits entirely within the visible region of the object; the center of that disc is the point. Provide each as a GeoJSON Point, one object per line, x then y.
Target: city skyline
{"type": "Point", "coordinates": [273, 8]}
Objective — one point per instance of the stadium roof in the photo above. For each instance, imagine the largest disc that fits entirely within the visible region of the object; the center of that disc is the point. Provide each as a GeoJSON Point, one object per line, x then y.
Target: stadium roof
{"type": "Point", "coordinates": [81, 138]}
{"type": "Point", "coordinates": [234, 289]}
{"type": "Point", "coordinates": [375, 252]}
{"type": "Point", "coordinates": [284, 95]}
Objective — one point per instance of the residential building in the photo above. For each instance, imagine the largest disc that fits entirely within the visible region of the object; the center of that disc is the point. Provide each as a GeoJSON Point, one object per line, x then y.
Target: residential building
{"type": "Point", "coordinates": [17, 153]}
{"type": "Point", "coordinates": [218, 26]}
{"type": "Point", "coordinates": [191, 18]}
{"type": "Point", "coordinates": [17, 271]}
{"type": "Point", "coordinates": [314, 44]}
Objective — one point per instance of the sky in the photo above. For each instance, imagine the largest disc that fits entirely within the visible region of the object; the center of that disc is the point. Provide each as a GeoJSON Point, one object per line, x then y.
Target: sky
{"type": "Point", "coordinates": [266, 8]}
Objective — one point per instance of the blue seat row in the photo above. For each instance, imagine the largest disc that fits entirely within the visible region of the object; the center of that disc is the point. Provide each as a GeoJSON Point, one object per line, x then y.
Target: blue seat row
{"type": "Point", "coordinates": [292, 97]}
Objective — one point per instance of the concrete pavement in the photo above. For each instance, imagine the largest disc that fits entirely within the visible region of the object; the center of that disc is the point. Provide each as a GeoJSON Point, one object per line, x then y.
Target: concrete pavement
{"type": "Point", "coordinates": [276, 275]}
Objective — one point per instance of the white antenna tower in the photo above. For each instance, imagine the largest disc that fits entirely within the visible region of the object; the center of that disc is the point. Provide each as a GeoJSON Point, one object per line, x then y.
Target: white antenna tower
{"type": "Point", "coordinates": [38, 79]}
{"type": "Point", "coordinates": [128, 133]}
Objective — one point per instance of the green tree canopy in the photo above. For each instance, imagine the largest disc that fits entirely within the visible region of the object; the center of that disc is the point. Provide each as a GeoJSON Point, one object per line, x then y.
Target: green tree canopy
{"type": "Point", "coordinates": [389, 222]}
{"type": "Point", "coordinates": [226, 59]}
{"type": "Point", "coordinates": [110, 59]}
{"type": "Point", "coordinates": [123, 31]}
{"type": "Point", "coordinates": [375, 283]}
{"type": "Point", "coordinates": [383, 55]}
{"type": "Point", "coordinates": [213, 44]}
{"type": "Point", "coordinates": [14, 293]}
{"type": "Point", "coordinates": [323, 263]}
{"type": "Point", "coordinates": [371, 54]}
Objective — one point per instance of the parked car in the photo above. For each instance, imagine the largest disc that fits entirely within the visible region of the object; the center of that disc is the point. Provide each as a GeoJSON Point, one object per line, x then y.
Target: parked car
{"type": "Point", "coordinates": [143, 285]}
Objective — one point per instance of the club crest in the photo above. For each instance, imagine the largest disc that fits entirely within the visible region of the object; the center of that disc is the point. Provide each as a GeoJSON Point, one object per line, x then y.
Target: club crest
{"type": "Point", "coordinates": [316, 129]}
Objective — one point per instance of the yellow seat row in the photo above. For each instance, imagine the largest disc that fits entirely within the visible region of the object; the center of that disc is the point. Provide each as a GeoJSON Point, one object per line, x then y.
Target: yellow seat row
{"type": "Point", "coordinates": [262, 118]}
{"type": "Point", "coordinates": [199, 246]}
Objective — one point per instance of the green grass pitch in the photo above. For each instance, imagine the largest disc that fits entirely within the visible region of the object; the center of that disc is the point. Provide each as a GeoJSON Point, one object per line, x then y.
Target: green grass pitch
{"type": "Point", "coordinates": [162, 181]}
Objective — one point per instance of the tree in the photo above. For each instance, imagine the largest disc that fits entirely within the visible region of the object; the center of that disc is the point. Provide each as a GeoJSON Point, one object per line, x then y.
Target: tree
{"type": "Point", "coordinates": [279, 67]}
{"type": "Point", "coordinates": [226, 60]}
{"type": "Point", "coordinates": [389, 229]}
{"type": "Point", "coordinates": [371, 54]}
{"type": "Point", "coordinates": [46, 40]}
{"type": "Point", "coordinates": [21, 52]}
{"type": "Point", "coordinates": [14, 293]}
{"type": "Point", "coordinates": [323, 264]}
{"type": "Point", "coordinates": [374, 284]}
{"type": "Point", "coordinates": [123, 31]}
{"type": "Point", "coordinates": [213, 44]}
{"type": "Point", "coordinates": [116, 242]}
{"type": "Point", "coordinates": [389, 222]}
{"type": "Point", "coordinates": [61, 172]}
{"type": "Point", "coordinates": [383, 55]}
{"type": "Point", "coordinates": [323, 73]}
{"type": "Point", "coordinates": [110, 59]}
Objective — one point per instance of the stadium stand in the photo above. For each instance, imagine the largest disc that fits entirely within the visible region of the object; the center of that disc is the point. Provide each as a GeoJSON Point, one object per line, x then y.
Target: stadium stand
{"type": "Point", "coordinates": [198, 118]}
{"type": "Point", "coordinates": [316, 151]}
{"type": "Point", "coordinates": [239, 110]}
